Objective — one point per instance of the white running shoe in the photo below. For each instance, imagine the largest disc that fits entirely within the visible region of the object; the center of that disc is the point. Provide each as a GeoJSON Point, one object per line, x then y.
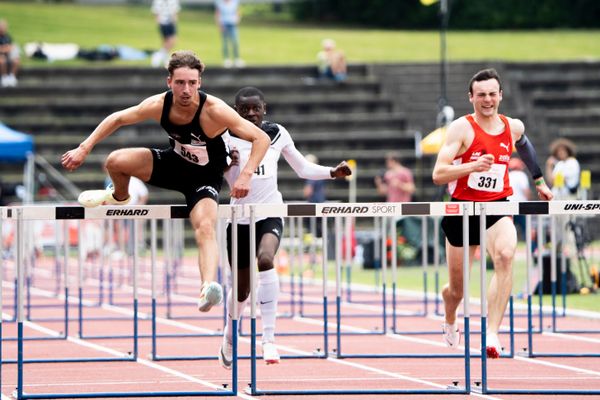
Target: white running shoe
{"type": "Point", "coordinates": [226, 354]}
{"type": "Point", "coordinates": [270, 353]}
{"type": "Point", "coordinates": [211, 295]}
{"type": "Point", "coordinates": [493, 348]}
{"type": "Point", "coordinates": [94, 198]}
{"type": "Point", "coordinates": [451, 335]}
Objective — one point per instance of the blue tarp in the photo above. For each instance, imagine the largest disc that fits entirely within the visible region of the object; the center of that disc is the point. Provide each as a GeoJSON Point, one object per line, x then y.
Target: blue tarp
{"type": "Point", "coordinates": [14, 145]}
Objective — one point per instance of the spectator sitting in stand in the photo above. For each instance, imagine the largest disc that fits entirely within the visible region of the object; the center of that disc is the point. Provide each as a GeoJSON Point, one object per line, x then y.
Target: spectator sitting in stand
{"type": "Point", "coordinates": [9, 57]}
{"type": "Point", "coordinates": [332, 62]}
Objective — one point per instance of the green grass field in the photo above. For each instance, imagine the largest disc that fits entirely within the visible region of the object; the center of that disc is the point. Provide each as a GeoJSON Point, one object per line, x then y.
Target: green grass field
{"type": "Point", "coordinates": [411, 278]}
{"type": "Point", "coordinates": [269, 39]}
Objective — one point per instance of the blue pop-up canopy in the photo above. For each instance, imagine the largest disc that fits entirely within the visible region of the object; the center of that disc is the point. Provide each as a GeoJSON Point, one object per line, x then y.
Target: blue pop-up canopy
{"type": "Point", "coordinates": [14, 145]}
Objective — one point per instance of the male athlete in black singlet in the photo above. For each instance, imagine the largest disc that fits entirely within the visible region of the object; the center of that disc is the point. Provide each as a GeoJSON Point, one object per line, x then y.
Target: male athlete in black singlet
{"type": "Point", "coordinates": [193, 164]}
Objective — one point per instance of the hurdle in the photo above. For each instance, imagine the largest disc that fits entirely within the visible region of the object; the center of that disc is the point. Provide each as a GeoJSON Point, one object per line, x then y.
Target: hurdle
{"type": "Point", "coordinates": [360, 210]}
{"type": "Point", "coordinates": [58, 212]}
{"type": "Point", "coordinates": [170, 230]}
{"type": "Point", "coordinates": [65, 304]}
{"type": "Point", "coordinates": [224, 212]}
{"type": "Point", "coordinates": [563, 274]}
{"type": "Point", "coordinates": [528, 209]}
{"type": "Point", "coordinates": [589, 208]}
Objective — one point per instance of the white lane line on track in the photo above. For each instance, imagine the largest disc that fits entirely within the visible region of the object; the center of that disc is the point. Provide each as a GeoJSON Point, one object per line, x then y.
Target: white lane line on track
{"type": "Point", "coordinates": [571, 336]}
{"type": "Point", "coordinates": [413, 339]}
{"type": "Point", "coordinates": [439, 343]}
{"type": "Point", "coordinates": [288, 349]}
{"type": "Point", "coordinates": [141, 361]}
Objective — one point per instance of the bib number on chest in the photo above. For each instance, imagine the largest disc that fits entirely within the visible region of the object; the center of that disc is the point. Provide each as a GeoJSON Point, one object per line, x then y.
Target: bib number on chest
{"type": "Point", "coordinates": [488, 181]}
{"type": "Point", "coordinates": [195, 154]}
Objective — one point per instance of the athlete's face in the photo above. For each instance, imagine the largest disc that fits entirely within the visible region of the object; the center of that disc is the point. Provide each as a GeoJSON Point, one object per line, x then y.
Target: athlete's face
{"type": "Point", "coordinates": [486, 97]}
{"type": "Point", "coordinates": [251, 108]}
{"type": "Point", "coordinates": [184, 83]}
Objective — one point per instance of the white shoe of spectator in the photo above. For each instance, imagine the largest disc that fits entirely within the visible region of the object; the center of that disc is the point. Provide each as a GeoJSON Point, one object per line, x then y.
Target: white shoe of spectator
{"type": "Point", "coordinates": [4, 81]}
{"type": "Point", "coordinates": [12, 80]}
{"type": "Point", "coordinates": [270, 353]}
{"type": "Point", "coordinates": [228, 63]}
{"type": "Point", "coordinates": [239, 63]}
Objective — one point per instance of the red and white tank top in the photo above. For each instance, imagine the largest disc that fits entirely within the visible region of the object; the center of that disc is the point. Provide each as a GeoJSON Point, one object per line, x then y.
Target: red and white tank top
{"type": "Point", "coordinates": [489, 185]}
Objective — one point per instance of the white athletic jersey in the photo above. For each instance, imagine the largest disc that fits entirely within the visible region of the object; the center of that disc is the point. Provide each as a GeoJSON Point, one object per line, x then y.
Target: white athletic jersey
{"type": "Point", "coordinates": [263, 185]}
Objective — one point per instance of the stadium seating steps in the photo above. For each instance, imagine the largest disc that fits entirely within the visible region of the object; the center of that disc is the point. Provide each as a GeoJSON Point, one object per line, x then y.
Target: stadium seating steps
{"type": "Point", "coordinates": [379, 108]}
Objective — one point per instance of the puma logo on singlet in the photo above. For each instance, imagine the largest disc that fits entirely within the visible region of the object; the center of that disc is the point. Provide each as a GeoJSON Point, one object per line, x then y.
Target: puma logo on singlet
{"type": "Point", "coordinates": [196, 141]}
{"type": "Point", "coordinates": [504, 145]}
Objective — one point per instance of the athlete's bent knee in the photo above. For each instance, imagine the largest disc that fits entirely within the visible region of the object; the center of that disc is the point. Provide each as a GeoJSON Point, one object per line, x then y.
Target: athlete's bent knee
{"type": "Point", "coordinates": [205, 230]}
{"type": "Point", "coordinates": [265, 262]}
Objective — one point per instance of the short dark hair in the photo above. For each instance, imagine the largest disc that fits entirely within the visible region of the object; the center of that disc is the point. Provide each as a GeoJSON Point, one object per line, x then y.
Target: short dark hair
{"type": "Point", "coordinates": [185, 58]}
{"type": "Point", "coordinates": [484, 75]}
{"type": "Point", "coordinates": [249, 91]}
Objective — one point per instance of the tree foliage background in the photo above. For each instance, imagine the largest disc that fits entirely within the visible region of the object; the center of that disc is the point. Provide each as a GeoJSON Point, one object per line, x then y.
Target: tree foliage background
{"type": "Point", "coordinates": [464, 14]}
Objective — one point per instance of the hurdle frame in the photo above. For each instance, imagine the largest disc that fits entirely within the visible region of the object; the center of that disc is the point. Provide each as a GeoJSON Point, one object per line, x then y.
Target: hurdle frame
{"type": "Point", "coordinates": [405, 209]}
{"type": "Point", "coordinates": [526, 208]}
{"type": "Point", "coordinates": [22, 213]}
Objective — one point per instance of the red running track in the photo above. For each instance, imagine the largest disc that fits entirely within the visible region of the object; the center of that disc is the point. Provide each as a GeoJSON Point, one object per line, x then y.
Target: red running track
{"type": "Point", "coordinates": [363, 315]}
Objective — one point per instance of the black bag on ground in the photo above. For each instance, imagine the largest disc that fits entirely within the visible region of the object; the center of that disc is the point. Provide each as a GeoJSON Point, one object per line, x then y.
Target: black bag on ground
{"type": "Point", "coordinates": [572, 284]}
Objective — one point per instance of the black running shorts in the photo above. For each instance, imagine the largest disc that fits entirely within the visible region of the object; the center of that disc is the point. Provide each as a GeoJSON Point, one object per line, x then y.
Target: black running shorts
{"type": "Point", "coordinates": [269, 225]}
{"type": "Point", "coordinates": [170, 171]}
{"type": "Point", "coordinates": [452, 227]}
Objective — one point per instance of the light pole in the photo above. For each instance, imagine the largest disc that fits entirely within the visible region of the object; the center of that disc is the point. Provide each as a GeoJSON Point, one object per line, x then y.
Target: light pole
{"type": "Point", "coordinates": [444, 16]}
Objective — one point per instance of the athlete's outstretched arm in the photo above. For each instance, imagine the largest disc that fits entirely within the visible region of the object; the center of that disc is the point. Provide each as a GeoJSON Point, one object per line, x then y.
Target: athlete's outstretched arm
{"type": "Point", "coordinates": [149, 108]}
{"type": "Point", "coordinates": [304, 168]}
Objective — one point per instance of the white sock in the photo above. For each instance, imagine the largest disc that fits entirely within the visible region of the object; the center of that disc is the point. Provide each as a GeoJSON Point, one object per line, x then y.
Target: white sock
{"type": "Point", "coordinates": [241, 305]}
{"type": "Point", "coordinates": [268, 295]}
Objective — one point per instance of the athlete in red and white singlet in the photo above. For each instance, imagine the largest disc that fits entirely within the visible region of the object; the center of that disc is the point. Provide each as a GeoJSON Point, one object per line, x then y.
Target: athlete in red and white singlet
{"type": "Point", "coordinates": [473, 161]}
{"type": "Point", "coordinates": [488, 185]}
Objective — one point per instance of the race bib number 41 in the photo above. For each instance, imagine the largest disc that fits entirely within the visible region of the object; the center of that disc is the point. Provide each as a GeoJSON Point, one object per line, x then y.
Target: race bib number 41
{"type": "Point", "coordinates": [488, 181]}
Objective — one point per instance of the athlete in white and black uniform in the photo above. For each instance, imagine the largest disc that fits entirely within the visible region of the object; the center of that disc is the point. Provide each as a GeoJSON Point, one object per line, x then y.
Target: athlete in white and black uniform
{"type": "Point", "coordinates": [250, 104]}
{"type": "Point", "coordinates": [193, 164]}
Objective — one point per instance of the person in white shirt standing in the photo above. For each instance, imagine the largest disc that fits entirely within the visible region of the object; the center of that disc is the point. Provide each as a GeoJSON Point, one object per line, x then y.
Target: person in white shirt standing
{"type": "Point", "coordinates": [250, 104]}
{"type": "Point", "coordinates": [166, 17]}
{"type": "Point", "coordinates": [562, 162]}
{"type": "Point", "coordinates": [227, 17]}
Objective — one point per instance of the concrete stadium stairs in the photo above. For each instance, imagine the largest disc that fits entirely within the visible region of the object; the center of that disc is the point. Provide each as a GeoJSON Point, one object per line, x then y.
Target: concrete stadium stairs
{"type": "Point", "coordinates": [61, 106]}
{"type": "Point", "coordinates": [379, 109]}
{"type": "Point", "coordinates": [562, 100]}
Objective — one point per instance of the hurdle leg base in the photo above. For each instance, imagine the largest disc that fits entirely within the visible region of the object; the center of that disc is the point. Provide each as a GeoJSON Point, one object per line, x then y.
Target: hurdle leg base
{"type": "Point", "coordinates": [455, 386]}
